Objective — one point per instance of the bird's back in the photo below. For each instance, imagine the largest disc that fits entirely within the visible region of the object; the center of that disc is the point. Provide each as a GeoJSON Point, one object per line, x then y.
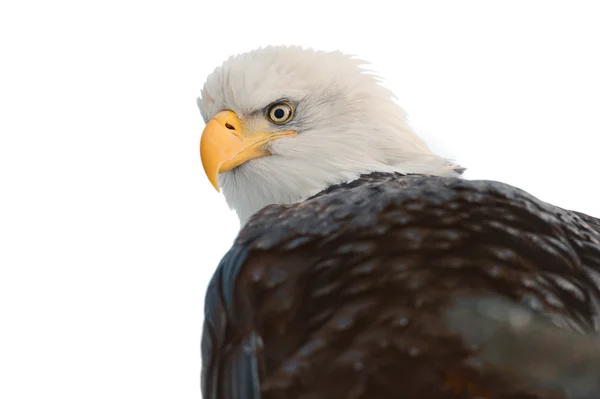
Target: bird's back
{"type": "Point", "coordinates": [344, 295]}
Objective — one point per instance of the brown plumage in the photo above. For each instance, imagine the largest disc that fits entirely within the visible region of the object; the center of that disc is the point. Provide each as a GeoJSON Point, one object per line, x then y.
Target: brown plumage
{"type": "Point", "coordinates": [347, 294]}
{"type": "Point", "coordinates": [527, 346]}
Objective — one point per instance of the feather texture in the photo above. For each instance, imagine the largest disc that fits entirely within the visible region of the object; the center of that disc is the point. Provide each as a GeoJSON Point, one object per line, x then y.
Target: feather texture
{"type": "Point", "coordinates": [524, 345]}
{"type": "Point", "coordinates": [347, 125]}
{"type": "Point", "coordinates": [344, 295]}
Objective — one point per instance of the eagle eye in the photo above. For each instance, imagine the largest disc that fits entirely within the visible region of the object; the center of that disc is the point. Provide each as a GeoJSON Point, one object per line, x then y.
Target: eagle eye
{"type": "Point", "coordinates": [280, 113]}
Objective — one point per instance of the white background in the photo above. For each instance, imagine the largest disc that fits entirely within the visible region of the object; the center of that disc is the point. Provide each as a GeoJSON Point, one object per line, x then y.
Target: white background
{"type": "Point", "coordinates": [109, 230]}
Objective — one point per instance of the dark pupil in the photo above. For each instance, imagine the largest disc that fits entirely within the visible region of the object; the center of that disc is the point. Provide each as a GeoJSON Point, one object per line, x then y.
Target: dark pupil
{"type": "Point", "coordinates": [279, 113]}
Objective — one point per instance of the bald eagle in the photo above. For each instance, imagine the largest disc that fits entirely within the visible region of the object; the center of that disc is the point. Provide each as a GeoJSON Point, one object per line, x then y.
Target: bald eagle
{"type": "Point", "coordinates": [357, 243]}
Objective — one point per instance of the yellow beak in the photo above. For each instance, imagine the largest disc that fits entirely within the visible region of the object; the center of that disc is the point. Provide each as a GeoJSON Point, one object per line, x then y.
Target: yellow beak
{"type": "Point", "coordinates": [224, 145]}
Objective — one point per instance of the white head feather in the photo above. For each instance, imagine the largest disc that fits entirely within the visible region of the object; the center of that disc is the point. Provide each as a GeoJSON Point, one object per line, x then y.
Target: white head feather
{"type": "Point", "coordinates": [347, 125]}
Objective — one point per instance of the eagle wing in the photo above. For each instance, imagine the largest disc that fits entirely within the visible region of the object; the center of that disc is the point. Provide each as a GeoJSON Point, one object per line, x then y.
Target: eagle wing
{"type": "Point", "coordinates": [344, 295]}
{"type": "Point", "coordinates": [526, 346]}
{"type": "Point", "coordinates": [228, 362]}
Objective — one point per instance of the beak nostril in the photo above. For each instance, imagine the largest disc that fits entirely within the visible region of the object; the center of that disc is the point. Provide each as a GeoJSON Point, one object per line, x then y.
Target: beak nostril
{"type": "Point", "coordinates": [229, 126]}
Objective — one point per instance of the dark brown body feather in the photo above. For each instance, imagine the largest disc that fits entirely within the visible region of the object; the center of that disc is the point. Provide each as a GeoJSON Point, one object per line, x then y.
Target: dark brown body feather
{"type": "Point", "coordinates": [345, 294]}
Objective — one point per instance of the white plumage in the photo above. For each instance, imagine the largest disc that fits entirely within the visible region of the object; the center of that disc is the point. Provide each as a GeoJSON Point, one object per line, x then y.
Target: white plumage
{"type": "Point", "coordinates": [347, 125]}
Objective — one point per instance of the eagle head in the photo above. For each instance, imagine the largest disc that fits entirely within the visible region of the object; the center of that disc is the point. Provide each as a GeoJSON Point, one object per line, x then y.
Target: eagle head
{"type": "Point", "coordinates": [283, 123]}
